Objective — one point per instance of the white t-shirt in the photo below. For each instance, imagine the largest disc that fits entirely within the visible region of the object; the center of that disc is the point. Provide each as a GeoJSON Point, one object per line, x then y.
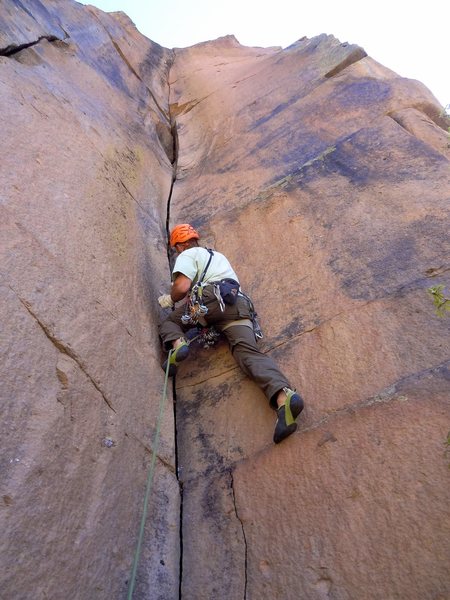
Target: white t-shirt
{"type": "Point", "coordinates": [192, 262]}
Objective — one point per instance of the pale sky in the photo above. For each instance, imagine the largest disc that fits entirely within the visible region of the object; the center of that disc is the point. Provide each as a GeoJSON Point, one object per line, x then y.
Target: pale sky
{"type": "Point", "coordinates": [409, 38]}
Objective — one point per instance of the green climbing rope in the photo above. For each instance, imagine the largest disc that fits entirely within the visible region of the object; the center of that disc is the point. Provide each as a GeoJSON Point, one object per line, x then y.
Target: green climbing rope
{"type": "Point", "coordinates": [151, 471]}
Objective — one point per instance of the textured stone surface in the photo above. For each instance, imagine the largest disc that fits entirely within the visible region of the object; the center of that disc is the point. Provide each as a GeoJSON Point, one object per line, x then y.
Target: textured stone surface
{"type": "Point", "coordinates": [324, 176]}
{"type": "Point", "coordinates": [365, 508]}
{"type": "Point", "coordinates": [85, 181]}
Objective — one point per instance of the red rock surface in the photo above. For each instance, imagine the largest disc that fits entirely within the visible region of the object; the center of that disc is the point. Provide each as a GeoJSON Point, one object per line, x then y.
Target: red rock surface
{"type": "Point", "coordinates": [85, 181]}
{"type": "Point", "coordinates": [324, 177]}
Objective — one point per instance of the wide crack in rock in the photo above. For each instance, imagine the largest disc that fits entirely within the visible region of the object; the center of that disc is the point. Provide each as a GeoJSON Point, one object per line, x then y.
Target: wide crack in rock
{"type": "Point", "coordinates": [14, 49]}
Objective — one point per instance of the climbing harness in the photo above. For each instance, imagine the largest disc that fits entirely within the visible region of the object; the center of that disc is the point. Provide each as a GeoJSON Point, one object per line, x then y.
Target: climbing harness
{"type": "Point", "coordinates": [226, 291]}
{"type": "Point", "coordinates": [195, 309]}
{"type": "Point", "coordinates": [151, 472]}
{"type": "Point", "coordinates": [253, 317]}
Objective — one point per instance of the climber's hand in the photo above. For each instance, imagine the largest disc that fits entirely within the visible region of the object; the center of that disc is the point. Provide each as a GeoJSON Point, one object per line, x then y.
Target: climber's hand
{"type": "Point", "coordinates": [165, 301]}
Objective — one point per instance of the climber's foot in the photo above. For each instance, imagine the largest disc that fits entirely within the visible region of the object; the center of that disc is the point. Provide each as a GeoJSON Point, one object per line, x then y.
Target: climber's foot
{"type": "Point", "coordinates": [177, 355]}
{"type": "Point", "coordinates": [287, 413]}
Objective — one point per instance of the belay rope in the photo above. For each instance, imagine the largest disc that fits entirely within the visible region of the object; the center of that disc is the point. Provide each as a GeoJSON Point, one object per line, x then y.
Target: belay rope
{"type": "Point", "coordinates": [206, 337]}
{"type": "Point", "coordinates": [151, 472]}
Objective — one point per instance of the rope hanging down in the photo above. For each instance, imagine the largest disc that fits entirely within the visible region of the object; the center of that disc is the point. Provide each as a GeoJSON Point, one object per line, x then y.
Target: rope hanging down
{"type": "Point", "coordinates": [149, 484]}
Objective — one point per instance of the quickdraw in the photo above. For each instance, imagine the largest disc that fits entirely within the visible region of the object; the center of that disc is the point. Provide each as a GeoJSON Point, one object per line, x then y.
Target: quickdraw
{"type": "Point", "coordinates": [195, 309]}
{"type": "Point", "coordinates": [206, 337]}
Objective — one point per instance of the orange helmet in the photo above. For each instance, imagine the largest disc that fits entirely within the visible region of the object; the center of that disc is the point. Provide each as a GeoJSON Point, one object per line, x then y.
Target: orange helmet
{"type": "Point", "coordinates": [183, 233]}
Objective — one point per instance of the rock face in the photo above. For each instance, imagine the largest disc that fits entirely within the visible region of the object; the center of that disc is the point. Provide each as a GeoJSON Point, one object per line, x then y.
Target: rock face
{"type": "Point", "coordinates": [324, 177]}
{"type": "Point", "coordinates": [85, 182]}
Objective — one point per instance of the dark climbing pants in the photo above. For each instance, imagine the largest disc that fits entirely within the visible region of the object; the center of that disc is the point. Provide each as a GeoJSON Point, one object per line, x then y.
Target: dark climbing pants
{"type": "Point", "coordinates": [258, 366]}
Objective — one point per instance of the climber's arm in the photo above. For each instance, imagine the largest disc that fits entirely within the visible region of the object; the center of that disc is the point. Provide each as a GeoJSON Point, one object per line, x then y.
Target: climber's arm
{"type": "Point", "coordinates": [180, 287]}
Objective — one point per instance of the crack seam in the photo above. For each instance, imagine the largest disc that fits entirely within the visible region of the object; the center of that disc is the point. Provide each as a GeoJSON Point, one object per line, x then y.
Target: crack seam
{"type": "Point", "coordinates": [116, 45]}
{"type": "Point", "coordinates": [12, 49]}
{"type": "Point", "coordinates": [353, 57]}
{"type": "Point", "coordinates": [312, 329]}
{"type": "Point", "coordinates": [395, 293]}
{"type": "Point", "coordinates": [133, 198]}
{"type": "Point", "coordinates": [164, 462]}
{"type": "Point", "coordinates": [233, 495]}
{"type": "Point", "coordinates": [129, 65]}
{"type": "Point", "coordinates": [389, 394]}
{"type": "Point", "coordinates": [173, 130]}
{"type": "Point", "coordinates": [282, 343]}
{"type": "Point", "coordinates": [191, 385]}
{"type": "Point", "coordinates": [62, 348]}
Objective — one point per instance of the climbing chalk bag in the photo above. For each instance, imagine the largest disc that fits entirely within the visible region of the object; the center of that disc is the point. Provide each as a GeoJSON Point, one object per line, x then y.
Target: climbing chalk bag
{"type": "Point", "coordinates": [229, 289]}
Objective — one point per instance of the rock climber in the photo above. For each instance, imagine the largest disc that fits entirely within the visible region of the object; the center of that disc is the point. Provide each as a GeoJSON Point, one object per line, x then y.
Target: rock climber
{"type": "Point", "coordinates": [210, 288]}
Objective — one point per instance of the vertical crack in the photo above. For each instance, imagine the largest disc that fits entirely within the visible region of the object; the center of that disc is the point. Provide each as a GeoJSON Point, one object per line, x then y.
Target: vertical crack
{"type": "Point", "coordinates": [243, 534]}
{"type": "Point", "coordinates": [174, 132]}
{"type": "Point", "coordinates": [180, 485]}
{"type": "Point", "coordinates": [174, 162]}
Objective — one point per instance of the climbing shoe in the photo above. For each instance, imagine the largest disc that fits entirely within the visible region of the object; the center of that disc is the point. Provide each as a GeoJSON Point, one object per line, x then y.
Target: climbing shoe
{"type": "Point", "coordinates": [175, 357]}
{"type": "Point", "coordinates": [287, 414]}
